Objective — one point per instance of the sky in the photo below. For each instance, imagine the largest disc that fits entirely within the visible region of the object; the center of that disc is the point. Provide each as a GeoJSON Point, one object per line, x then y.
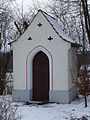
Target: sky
{"type": "Point", "coordinates": [29, 3]}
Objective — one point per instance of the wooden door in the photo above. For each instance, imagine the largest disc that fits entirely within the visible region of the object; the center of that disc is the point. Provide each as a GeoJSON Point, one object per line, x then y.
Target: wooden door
{"type": "Point", "coordinates": [40, 77]}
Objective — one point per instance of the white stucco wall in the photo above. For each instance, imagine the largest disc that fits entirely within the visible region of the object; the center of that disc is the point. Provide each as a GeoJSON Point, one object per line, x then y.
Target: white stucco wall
{"type": "Point", "coordinates": [57, 47]}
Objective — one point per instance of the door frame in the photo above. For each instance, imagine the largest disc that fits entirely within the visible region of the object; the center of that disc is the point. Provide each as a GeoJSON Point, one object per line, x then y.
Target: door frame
{"type": "Point", "coordinates": [29, 65]}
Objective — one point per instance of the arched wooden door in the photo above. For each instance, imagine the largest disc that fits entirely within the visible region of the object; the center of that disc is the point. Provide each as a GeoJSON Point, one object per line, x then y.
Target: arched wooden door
{"type": "Point", "coordinates": [40, 77]}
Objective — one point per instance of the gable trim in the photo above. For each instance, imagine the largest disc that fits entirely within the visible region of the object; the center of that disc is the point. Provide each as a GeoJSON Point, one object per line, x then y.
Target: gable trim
{"type": "Point", "coordinates": [54, 28]}
{"type": "Point", "coordinates": [75, 44]}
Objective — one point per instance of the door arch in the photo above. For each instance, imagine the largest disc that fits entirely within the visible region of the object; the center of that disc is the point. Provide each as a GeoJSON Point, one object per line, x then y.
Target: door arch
{"type": "Point", "coordinates": [40, 77]}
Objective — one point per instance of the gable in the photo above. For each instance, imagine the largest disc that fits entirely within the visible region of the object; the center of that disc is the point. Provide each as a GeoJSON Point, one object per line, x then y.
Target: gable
{"type": "Point", "coordinates": [40, 34]}
{"type": "Point", "coordinates": [51, 23]}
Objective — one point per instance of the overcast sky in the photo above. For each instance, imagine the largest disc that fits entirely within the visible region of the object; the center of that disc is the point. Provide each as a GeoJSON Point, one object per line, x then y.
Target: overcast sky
{"type": "Point", "coordinates": [29, 3]}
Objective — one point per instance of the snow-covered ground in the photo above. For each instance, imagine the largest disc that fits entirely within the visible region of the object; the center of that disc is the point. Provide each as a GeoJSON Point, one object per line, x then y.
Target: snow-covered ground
{"type": "Point", "coordinates": [56, 111]}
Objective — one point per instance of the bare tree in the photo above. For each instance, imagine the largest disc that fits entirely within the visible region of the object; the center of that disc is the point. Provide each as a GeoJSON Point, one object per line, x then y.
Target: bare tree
{"type": "Point", "coordinates": [5, 20]}
{"type": "Point", "coordinates": [8, 111]}
{"type": "Point", "coordinates": [86, 11]}
{"type": "Point", "coordinates": [74, 18]}
{"type": "Point", "coordinates": [68, 13]}
{"type": "Point", "coordinates": [12, 25]}
{"type": "Point", "coordinates": [21, 19]}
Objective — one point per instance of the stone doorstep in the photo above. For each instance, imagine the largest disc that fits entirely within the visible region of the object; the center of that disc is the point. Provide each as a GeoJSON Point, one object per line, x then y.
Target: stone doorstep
{"type": "Point", "coordinates": [37, 102]}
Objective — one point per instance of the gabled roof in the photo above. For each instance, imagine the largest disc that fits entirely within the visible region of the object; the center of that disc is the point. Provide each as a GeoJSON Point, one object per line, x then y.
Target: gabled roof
{"type": "Point", "coordinates": [56, 27]}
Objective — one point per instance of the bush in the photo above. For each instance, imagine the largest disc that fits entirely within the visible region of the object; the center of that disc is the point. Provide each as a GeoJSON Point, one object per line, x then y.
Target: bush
{"type": "Point", "coordinates": [7, 110]}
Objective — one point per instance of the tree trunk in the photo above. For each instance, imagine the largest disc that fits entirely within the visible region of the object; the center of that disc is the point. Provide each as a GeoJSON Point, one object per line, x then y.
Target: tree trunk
{"type": "Point", "coordinates": [86, 17]}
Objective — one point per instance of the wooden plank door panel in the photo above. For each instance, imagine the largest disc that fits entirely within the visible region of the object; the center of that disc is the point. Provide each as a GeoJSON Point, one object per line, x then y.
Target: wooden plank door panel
{"type": "Point", "coordinates": [40, 77]}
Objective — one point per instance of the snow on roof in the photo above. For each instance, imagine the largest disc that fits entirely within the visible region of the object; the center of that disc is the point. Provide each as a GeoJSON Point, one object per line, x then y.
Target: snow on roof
{"type": "Point", "coordinates": [57, 28]}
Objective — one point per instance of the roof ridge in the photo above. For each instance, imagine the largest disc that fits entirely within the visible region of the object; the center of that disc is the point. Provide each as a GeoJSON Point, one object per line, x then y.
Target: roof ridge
{"type": "Point", "coordinates": [48, 15]}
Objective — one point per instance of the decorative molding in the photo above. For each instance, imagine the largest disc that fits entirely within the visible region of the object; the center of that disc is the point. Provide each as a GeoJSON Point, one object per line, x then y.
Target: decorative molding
{"type": "Point", "coordinates": [50, 38]}
{"type": "Point", "coordinates": [29, 38]}
{"type": "Point", "coordinates": [39, 24]}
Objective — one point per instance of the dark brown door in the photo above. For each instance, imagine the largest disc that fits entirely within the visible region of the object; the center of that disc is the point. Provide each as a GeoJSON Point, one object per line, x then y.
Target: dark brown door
{"type": "Point", "coordinates": [40, 77]}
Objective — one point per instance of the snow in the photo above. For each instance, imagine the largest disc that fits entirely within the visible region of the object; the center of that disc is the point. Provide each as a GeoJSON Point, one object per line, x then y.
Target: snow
{"type": "Point", "coordinates": [88, 67]}
{"type": "Point", "coordinates": [54, 111]}
{"type": "Point", "coordinates": [57, 27]}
